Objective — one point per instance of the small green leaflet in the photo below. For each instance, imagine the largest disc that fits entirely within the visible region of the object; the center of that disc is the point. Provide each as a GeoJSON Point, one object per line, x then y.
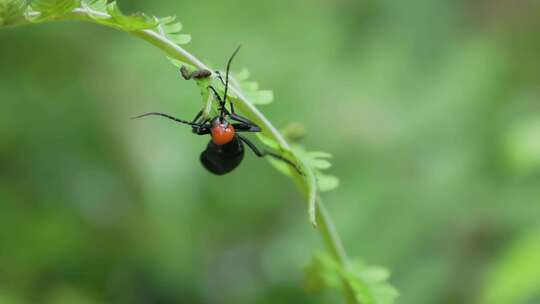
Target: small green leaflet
{"type": "Point", "coordinates": [11, 9]}
{"type": "Point", "coordinates": [50, 9]}
{"type": "Point", "coordinates": [97, 5]}
{"type": "Point", "coordinates": [318, 161]}
{"type": "Point", "coordinates": [313, 180]}
{"type": "Point", "coordinates": [169, 27]}
{"type": "Point", "coordinates": [117, 19]}
{"type": "Point", "coordinates": [370, 283]}
{"type": "Point", "coordinates": [306, 180]}
{"type": "Point", "coordinates": [326, 182]}
{"type": "Point", "coordinates": [251, 89]}
{"type": "Point", "coordinates": [138, 21]}
{"type": "Point", "coordinates": [514, 275]}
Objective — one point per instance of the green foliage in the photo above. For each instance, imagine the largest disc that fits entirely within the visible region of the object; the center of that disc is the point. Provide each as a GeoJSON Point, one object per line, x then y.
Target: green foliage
{"type": "Point", "coordinates": [318, 161]}
{"type": "Point", "coordinates": [11, 9]}
{"type": "Point", "coordinates": [138, 21]}
{"type": "Point", "coordinates": [515, 277]}
{"type": "Point", "coordinates": [368, 282]}
{"type": "Point", "coordinates": [115, 18]}
{"type": "Point", "coordinates": [522, 147]}
{"type": "Point", "coordinates": [313, 180]}
{"type": "Point", "coordinates": [170, 28]}
{"type": "Point", "coordinates": [251, 89]}
{"type": "Point", "coordinates": [52, 9]}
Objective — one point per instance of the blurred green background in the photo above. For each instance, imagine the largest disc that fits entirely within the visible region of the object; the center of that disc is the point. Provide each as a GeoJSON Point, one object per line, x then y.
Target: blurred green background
{"type": "Point", "coordinates": [431, 109]}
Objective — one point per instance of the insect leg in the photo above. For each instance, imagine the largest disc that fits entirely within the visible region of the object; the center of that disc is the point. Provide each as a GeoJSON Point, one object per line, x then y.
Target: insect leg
{"type": "Point", "coordinates": [218, 74]}
{"type": "Point", "coordinates": [244, 125]}
{"type": "Point", "coordinates": [223, 82]}
{"type": "Point", "coordinates": [232, 106]}
{"type": "Point", "coordinates": [263, 153]}
{"type": "Point", "coordinates": [202, 129]}
{"type": "Point", "coordinates": [197, 116]}
{"type": "Point", "coordinates": [223, 110]}
{"type": "Point", "coordinates": [221, 102]}
{"type": "Point", "coordinates": [241, 119]}
{"type": "Point", "coordinates": [240, 127]}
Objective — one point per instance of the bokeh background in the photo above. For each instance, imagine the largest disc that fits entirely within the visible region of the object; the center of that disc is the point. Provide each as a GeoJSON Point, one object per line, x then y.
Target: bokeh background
{"type": "Point", "coordinates": [431, 109]}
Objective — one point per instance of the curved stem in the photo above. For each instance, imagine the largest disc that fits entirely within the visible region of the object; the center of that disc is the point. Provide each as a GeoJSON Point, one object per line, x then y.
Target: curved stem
{"type": "Point", "coordinates": [325, 223]}
{"type": "Point", "coordinates": [333, 243]}
{"type": "Point", "coordinates": [177, 52]}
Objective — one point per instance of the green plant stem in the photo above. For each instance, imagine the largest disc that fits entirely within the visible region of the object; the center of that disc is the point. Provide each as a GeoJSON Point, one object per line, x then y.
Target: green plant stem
{"type": "Point", "coordinates": [333, 243]}
{"type": "Point", "coordinates": [325, 224]}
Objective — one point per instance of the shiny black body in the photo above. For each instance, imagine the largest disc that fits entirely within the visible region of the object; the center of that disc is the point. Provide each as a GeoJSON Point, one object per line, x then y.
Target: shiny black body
{"type": "Point", "coordinates": [223, 159]}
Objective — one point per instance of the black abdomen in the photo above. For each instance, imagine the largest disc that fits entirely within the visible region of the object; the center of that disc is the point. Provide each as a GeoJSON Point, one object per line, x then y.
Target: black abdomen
{"type": "Point", "coordinates": [222, 159]}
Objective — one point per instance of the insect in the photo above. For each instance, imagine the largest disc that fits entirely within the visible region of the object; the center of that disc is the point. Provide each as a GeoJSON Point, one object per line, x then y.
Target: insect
{"type": "Point", "coordinates": [225, 150]}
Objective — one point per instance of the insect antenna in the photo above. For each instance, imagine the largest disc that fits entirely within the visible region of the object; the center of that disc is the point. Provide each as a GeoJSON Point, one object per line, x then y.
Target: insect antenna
{"type": "Point", "coordinates": [227, 79]}
{"type": "Point", "coordinates": [166, 116]}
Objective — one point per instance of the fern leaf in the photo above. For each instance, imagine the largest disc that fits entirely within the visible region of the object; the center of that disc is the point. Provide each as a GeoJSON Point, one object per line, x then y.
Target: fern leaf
{"type": "Point", "coordinates": [169, 27]}
{"type": "Point", "coordinates": [326, 182]}
{"type": "Point", "coordinates": [116, 18]}
{"type": "Point", "coordinates": [251, 89]}
{"type": "Point", "coordinates": [369, 283]}
{"type": "Point", "coordinates": [138, 21]}
{"type": "Point", "coordinates": [11, 9]}
{"type": "Point", "coordinates": [97, 5]}
{"type": "Point", "coordinates": [51, 9]}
